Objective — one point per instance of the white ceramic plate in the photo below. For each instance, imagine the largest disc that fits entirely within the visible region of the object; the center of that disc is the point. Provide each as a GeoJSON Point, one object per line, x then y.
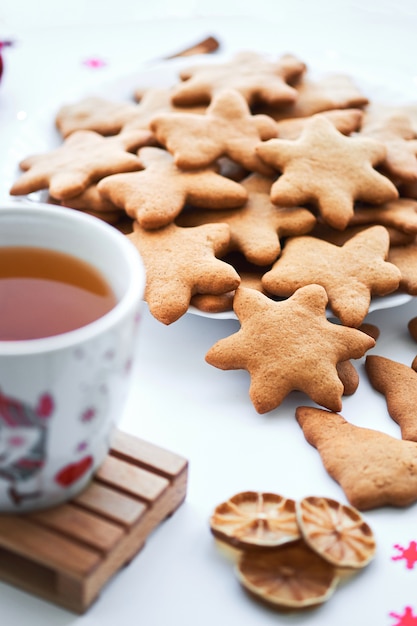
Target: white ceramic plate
{"type": "Point", "coordinates": [38, 133]}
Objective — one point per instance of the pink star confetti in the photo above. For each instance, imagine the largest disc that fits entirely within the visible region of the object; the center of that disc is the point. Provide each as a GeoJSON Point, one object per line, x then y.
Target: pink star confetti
{"type": "Point", "coordinates": [409, 554]}
{"type": "Point", "coordinates": [95, 63]}
{"type": "Point", "coordinates": [408, 618]}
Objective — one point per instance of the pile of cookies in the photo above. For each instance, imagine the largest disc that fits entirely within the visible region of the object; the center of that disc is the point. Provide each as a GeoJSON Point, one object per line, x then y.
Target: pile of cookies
{"type": "Point", "coordinates": [250, 184]}
{"type": "Point", "coordinates": [292, 554]}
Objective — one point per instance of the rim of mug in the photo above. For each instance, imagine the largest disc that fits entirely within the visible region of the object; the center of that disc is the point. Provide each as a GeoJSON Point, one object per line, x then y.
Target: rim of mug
{"type": "Point", "coordinates": [133, 295]}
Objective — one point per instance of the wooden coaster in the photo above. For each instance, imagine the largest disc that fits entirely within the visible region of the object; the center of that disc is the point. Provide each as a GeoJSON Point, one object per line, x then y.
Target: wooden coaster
{"type": "Point", "coordinates": [67, 554]}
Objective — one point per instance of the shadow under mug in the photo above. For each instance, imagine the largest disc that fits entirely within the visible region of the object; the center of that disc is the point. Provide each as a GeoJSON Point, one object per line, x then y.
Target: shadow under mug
{"type": "Point", "coordinates": [61, 395]}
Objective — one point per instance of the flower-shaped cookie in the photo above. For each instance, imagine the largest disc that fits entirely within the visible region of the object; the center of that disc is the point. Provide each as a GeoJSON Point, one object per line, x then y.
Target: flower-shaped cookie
{"type": "Point", "coordinates": [289, 345]}
{"type": "Point", "coordinates": [226, 129]}
{"type": "Point", "coordinates": [351, 273]}
{"type": "Point", "coordinates": [181, 262]}
{"type": "Point", "coordinates": [257, 78]}
{"type": "Point", "coordinates": [83, 158]}
{"type": "Point", "coordinates": [327, 169]}
{"type": "Point", "coordinates": [373, 468]}
{"type": "Point", "coordinates": [156, 195]}
{"type": "Point", "coordinates": [256, 228]}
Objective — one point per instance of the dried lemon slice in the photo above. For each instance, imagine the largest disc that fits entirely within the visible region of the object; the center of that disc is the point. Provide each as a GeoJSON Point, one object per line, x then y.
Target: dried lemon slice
{"type": "Point", "coordinates": [336, 531]}
{"type": "Point", "coordinates": [255, 519]}
{"type": "Point", "coordinates": [292, 576]}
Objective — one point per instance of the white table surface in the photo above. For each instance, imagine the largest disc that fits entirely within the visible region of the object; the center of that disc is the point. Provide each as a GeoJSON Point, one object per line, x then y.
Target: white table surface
{"type": "Point", "coordinates": [177, 400]}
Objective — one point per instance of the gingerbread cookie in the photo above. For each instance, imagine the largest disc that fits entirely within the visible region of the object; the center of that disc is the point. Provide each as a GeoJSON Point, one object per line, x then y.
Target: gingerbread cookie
{"type": "Point", "coordinates": [346, 121]}
{"type": "Point", "coordinates": [327, 169]}
{"type": "Point", "coordinates": [332, 91]}
{"type": "Point", "coordinates": [370, 329]}
{"type": "Point", "coordinates": [94, 113]}
{"type": "Point", "coordinates": [373, 468]}
{"type": "Point", "coordinates": [91, 201]}
{"type": "Point", "coordinates": [226, 129]}
{"type": "Point", "coordinates": [250, 276]}
{"type": "Point", "coordinates": [288, 345]}
{"type": "Point", "coordinates": [83, 158]}
{"type": "Point", "coordinates": [398, 383]}
{"type": "Point", "coordinates": [152, 101]}
{"type": "Point", "coordinates": [350, 273]}
{"type": "Point", "coordinates": [257, 227]}
{"type": "Point", "coordinates": [405, 258]}
{"type": "Point", "coordinates": [181, 262]}
{"type": "Point", "coordinates": [412, 328]}
{"type": "Point", "coordinates": [258, 79]}
{"type": "Point", "coordinates": [400, 214]}
{"type": "Point", "coordinates": [339, 237]}
{"type": "Point", "coordinates": [349, 377]}
{"type": "Point", "coordinates": [394, 128]}
{"type": "Point", "coordinates": [158, 193]}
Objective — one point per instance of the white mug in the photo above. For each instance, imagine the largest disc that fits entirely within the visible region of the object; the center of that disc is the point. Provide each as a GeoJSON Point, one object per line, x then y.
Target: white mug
{"type": "Point", "coordinates": [61, 396]}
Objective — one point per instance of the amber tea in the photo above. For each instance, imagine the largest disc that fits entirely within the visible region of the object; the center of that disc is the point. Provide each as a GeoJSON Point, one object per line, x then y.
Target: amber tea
{"type": "Point", "coordinates": [45, 292]}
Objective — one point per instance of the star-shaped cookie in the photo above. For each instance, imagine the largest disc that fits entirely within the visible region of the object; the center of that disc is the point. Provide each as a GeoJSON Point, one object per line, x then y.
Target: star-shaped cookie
{"type": "Point", "coordinates": [228, 128]}
{"type": "Point", "coordinates": [83, 158]}
{"type": "Point", "coordinates": [158, 193]}
{"type": "Point", "coordinates": [257, 78]}
{"type": "Point", "coordinates": [314, 95]}
{"type": "Point", "coordinates": [373, 468]}
{"type": "Point", "coordinates": [350, 273]}
{"type": "Point", "coordinates": [92, 202]}
{"type": "Point", "coordinates": [346, 121]}
{"type": "Point", "coordinates": [398, 383]}
{"type": "Point", "coordinates": [101, 115]}
{"type": "Point", "coordinates": [288, 345]}
{"type": "Point", "coordinates": [181, 262]}
{"type": "Point", "coordinates": [400, 214]}
{"type": "Point", "coordinates": [405, 258]}
{"type": "Point", "coordinates": [152, 101]}
{"type": "Point", "coordinates": [256, 228]}
{"type": "Point", "coordinates": [327, 169]}
{"type": "Point", "coordinates": [394, 128]}
{"type": "Point", "coordinates": [250, 276]}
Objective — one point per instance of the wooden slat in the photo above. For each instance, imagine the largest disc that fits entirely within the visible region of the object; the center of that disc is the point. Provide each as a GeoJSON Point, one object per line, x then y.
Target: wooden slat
{"type": "Point", "coordinates": [80, 525]}
{"type": "Point", "coordinates": [19, 535]}
{"type": "Point", "coordinates": [111, 504]}
{"type": "Point", "coordinates": [134, 480]}
{"type": "Point", "coordinates": [136, 450]}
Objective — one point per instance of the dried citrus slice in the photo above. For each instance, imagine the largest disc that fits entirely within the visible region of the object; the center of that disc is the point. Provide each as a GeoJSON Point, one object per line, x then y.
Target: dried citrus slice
{"type": "Point", "coordinates": [255, 519]}
{"type": "Point", "coordinates": [336, 531]}
{"type": "Point", "coordinates": [292, 576]}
